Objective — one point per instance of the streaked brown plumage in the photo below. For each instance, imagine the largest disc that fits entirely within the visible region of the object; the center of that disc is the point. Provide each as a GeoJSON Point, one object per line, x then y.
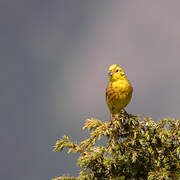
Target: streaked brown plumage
{"type": "Point", "coordinates": [119, 90]}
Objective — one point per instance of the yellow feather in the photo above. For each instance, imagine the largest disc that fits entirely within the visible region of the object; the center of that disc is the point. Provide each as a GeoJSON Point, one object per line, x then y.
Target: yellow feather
{"type": "Point", "coordinates": [119, 90]}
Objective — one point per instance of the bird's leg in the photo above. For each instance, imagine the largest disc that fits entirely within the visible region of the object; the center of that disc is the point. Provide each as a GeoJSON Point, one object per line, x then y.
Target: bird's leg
{"type": "Point", "coordinates": [112, 118]}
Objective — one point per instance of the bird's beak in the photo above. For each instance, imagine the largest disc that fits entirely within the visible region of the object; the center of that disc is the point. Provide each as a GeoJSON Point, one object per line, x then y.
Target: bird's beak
{"type": "Point", "coordinates": [110, 73]}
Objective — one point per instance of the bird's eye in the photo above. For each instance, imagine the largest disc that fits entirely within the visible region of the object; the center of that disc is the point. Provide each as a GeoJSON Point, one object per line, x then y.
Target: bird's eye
{"type": "Point", "coordinates": [117, 70]}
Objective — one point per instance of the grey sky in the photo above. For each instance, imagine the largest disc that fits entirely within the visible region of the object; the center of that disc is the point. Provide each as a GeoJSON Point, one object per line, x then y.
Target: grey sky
{"type": "Point", "coordinates": [53, 61]}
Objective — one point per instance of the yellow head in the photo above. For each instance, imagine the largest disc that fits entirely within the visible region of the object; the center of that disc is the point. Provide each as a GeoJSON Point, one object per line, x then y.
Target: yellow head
{"type": "Point", "coordinates": [116, 73]}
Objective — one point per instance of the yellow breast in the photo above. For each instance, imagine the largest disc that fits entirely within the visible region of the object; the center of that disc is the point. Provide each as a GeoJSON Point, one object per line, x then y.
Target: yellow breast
{"type": "Point", "coordinates": [118, 95]}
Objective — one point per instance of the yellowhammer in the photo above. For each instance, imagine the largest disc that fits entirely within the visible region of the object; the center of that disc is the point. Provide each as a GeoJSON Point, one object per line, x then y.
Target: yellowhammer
{"type": "Point", "coordinates": [119, 90]}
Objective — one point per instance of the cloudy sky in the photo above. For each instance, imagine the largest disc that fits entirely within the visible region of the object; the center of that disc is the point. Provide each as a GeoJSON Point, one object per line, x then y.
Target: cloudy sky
{"type": "Point", "coordinates": [54, 56]}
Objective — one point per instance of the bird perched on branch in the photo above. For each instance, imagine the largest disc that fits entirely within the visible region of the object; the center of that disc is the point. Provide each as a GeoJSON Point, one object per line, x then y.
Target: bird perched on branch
{"type": "Point", "coordinates": [118, 92]}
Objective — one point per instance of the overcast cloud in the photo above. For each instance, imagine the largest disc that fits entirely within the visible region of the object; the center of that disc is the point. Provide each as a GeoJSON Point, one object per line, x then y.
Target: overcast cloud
{"type": "Point", "coordinates": [53, 63]}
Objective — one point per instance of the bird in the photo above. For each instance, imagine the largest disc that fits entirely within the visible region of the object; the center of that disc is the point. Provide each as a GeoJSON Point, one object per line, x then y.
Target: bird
{"type": "Point", "coordinates": [118, 92]}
